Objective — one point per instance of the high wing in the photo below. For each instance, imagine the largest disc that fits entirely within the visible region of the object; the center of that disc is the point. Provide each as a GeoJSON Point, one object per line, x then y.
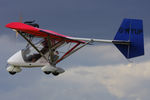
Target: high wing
{"type": "Point", "coordinates": [40, 32]}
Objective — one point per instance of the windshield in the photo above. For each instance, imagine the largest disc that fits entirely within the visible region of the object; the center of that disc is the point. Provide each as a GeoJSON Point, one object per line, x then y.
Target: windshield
{"type": "Point", "coordinates": [31, 55]}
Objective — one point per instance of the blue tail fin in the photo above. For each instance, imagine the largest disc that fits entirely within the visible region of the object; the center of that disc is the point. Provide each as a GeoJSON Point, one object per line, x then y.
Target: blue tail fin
{"type": "Point", "coordinates": [131, 30]}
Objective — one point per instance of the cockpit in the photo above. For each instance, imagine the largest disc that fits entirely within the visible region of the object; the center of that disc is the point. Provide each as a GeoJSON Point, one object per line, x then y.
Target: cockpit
{"type": "Point", "coordinates": [29, 54]}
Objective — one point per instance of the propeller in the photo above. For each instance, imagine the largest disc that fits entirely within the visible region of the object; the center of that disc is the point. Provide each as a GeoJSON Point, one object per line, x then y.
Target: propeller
{"type": "Point", "coordinates": [21, 21]}
{"type": "Point", "coordinates": [31, 23]}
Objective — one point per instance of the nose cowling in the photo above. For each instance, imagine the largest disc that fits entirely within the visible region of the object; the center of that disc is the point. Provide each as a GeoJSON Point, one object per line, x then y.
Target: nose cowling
{"type": "Point", "coordinates": [16, 59]}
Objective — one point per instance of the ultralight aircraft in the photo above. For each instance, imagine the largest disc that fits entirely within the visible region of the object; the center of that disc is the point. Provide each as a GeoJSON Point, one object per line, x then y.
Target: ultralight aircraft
{"type": "Point", "coordinates": [46, 52]}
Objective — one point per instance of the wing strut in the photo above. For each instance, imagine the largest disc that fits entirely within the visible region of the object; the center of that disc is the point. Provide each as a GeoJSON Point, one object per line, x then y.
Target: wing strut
{"type": "Point", "coordinates": [72, 50]}
{"type": "Point", "coordinates": [51, 52]}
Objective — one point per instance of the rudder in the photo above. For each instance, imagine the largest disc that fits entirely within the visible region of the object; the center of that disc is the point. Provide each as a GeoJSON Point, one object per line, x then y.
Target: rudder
{"type": "Point", "coordinates": [131, 30]}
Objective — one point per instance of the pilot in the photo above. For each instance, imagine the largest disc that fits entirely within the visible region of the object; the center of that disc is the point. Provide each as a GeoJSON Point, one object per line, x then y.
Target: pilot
{"type": "Point", "coordinates": [56, 55]}
{"type": "Point", "coordinates": [35, 57]}
{"type": "Point", "coordinates": [45, 47]}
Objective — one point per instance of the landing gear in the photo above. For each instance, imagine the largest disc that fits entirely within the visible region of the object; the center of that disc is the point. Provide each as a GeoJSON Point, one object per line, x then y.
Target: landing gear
{"type": "Point", "coordinates": [47, 72]}
{"type": "Point", "coordinates": [13, 69]}
{"type": "Point", "coordinates": [12, 73]}
{"type": "Point", "coordinates": [55, 73]}
{"type": "Point", "coordinates": [47, 69]}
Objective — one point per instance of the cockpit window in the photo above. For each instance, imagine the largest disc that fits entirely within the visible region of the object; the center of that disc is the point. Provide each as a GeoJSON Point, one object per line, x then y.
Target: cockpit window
{"type": "Point", "coordinates": [31, 55]}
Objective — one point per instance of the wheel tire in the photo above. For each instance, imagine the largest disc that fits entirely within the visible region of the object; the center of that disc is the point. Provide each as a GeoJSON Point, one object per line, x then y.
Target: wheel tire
{"type": "Point", "coordinates": [47, 72]}
{"type": "Point", "coordinates": [12, 73]}
{"type": "Point", "coordinates": [55, 73]}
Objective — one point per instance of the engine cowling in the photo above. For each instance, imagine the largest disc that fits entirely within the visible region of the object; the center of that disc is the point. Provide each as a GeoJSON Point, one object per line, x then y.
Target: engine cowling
{"type": "Point", "coordinates": [13, 69]}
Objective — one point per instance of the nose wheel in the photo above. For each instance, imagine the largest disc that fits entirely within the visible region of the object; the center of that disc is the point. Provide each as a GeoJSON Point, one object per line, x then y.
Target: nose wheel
{"type": "Point", "coordinates": [12, 73]}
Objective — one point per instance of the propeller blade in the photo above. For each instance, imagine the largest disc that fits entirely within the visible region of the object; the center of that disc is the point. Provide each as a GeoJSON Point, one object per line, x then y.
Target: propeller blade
{"type": "Point", "coordinates": [20, 18]}
{"type": "Point", "coordinates": [16, 32]}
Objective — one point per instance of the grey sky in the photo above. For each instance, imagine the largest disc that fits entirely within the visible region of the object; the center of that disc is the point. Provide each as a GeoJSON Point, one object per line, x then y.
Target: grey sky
{"type": "Point", "coordinates": [91, 72]}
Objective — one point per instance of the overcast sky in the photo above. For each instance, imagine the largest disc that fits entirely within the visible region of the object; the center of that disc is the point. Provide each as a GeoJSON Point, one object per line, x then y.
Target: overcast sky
{"type": "Point", "coordinates": [97, 72]}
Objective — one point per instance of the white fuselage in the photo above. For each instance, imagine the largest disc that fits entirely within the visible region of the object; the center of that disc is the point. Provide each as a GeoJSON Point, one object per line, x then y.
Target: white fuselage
{"type": "Point", "coordinates": [30, 58]}
{"type": "Point", "coordinates": [17, 60]}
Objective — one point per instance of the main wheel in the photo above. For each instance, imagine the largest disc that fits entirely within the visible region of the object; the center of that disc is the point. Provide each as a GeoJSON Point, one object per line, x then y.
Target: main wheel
{"type": "Point", "coordinates": [12, 73]}
{"type": "Point", "coordinates": [47, 72]}
{"type": "Point", "coordinates": [55, 73]}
